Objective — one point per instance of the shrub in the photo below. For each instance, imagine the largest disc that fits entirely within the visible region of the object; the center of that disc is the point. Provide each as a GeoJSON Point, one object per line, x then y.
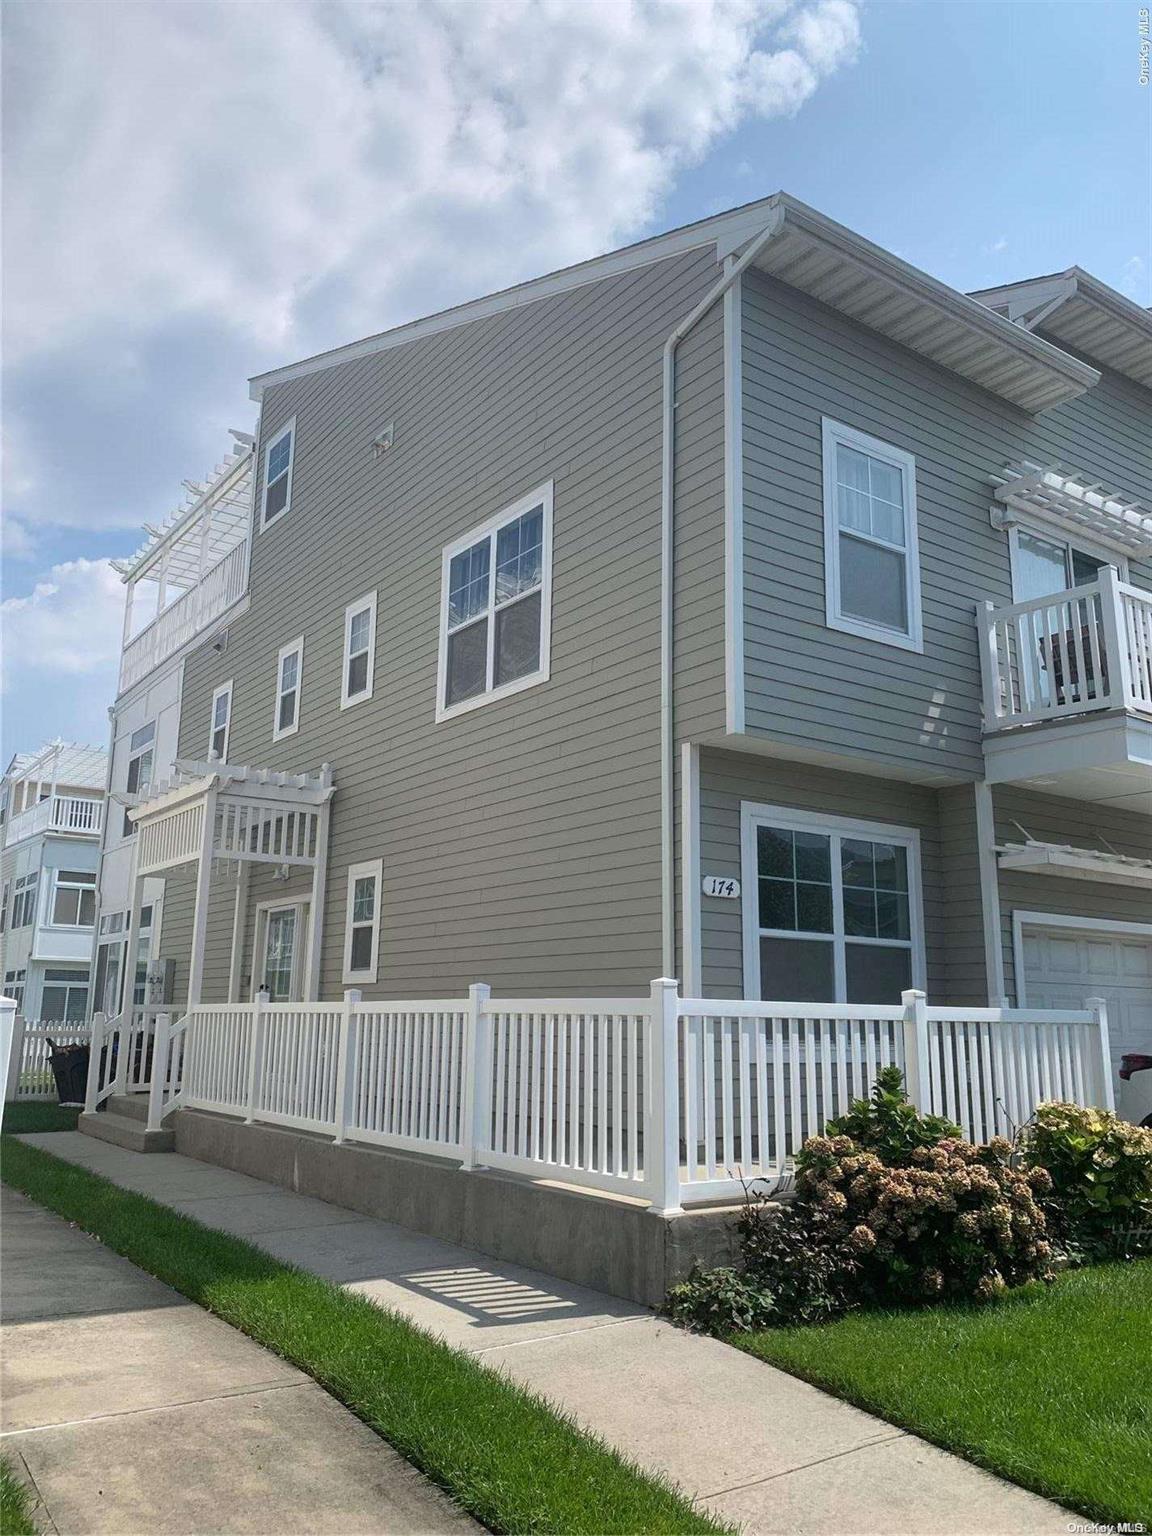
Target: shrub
{"type": "Point", "coordinates": [888, 1125]}
{"type": "Point", "coordinates": [794, 1252]}
{"type": "Point", "coordinates": [720, 1301]}
{"type": "Point", "coordinates": [1100, 1173]}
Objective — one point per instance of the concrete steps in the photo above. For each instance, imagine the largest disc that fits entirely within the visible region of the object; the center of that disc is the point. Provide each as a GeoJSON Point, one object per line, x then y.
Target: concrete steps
{"type": "Point", "coordinates": [125, 1124]}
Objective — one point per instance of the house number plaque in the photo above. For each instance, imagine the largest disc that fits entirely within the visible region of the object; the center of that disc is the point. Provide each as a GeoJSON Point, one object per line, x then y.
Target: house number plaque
{"type": "Point", "coordinates": [720, 885]}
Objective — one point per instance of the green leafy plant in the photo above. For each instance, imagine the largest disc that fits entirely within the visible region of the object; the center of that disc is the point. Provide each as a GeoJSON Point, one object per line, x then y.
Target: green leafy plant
{"type": "Point", "coordinates": [1099, 1168]}
{"type": "Point", "coordinates": [794, 1253]}
{"type": "Point", "coordinates": [720, 1301]}
{"type": "Point", "coordinates": [885, 1122]}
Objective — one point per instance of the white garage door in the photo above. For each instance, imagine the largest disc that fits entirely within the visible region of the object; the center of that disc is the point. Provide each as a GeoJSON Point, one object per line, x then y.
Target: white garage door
{"type": "Point", "coordinates": [1063, 966]}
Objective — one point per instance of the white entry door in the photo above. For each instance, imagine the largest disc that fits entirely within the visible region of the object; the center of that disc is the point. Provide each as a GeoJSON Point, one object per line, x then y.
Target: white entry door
{"type": "Point", "coordinates": [281, 945]}
{"type": "Point", "coordinates": [1063, 966]}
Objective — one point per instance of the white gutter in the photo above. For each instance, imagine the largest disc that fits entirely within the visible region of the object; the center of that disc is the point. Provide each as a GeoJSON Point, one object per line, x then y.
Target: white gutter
{"type": "Point", "coordinates": [667, 530]}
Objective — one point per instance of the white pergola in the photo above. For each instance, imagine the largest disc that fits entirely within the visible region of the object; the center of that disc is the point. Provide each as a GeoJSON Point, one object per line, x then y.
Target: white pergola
{"type": "Point", "coordinates": [1070, 502]}
{"type": "Point", "coordinates": [208, 813]}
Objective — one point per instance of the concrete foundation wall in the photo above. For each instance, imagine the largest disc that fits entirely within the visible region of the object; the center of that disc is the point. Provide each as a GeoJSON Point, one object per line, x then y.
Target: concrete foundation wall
{"type": "Point", "coordinates": [611, 1243]}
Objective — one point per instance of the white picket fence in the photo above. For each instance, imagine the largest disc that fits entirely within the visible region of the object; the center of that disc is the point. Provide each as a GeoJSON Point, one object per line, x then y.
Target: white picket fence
{"type": "Point", "coordinates": [671, 1100]}
{"type": "Point", "coordinates": [29, 1075]}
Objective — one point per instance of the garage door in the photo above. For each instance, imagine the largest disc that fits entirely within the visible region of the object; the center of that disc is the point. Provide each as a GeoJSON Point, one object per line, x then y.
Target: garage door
{"type": "Point", "coordinates": [1063, 966]}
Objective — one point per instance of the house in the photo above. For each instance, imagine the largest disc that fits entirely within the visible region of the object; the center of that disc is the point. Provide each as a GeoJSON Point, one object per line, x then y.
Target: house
{"type": "Point", "coordinates": [51, 813]}
{"type": "Point", "coordinates": [745, 607]}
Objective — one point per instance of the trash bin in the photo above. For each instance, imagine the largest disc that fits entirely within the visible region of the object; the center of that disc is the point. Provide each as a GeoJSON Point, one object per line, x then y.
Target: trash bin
{"type": "Point", "coordinates": [70, 1069]}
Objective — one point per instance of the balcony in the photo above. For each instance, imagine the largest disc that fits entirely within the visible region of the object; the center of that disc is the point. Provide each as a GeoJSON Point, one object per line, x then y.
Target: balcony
{"type": "Point", "coordinates": [1067, 684]}
{"type": "Point", "coordinates": [183, 619]}
{"type": "Point", "coordinates": [74, 815]}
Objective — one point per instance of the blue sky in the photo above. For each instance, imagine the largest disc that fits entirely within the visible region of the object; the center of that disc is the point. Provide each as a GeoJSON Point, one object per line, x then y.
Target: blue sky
{"type": "Point", "coordinates": [223, 194]}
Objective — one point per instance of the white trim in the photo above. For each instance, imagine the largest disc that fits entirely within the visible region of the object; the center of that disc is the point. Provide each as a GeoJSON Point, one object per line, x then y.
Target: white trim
{"type": "Point", "coordinates": [55, 885]}
{"type": "Point", "coordinates": [542, 496]}
{"type": "Point", "coordinates": [288, 427]}
{"type": "Point", "coordinates": [753, 814]}
{"type": "Point", "coordinates": [370, 869]}
{"type": "Point", "coordinates": [1022, 920]}
{"type": "Point", "coordinates": [347, 700]}
{"type": "Point", "coordinates": [294, 647]}
{"type": "Point", "coordinates": [1052, 534]}
{"type": "Point", "coordinates": [734, 665]}
{"type": "Point", "coordinates": [833, 435]}
{"type": "Point", "coordinates": [989, 895]}
{"type": "Point", "coordinates": [690, 867]}
{"type": "Point", "coordinates": [260, 913]}
{"type": "Point", "coordinates": [224, 690]}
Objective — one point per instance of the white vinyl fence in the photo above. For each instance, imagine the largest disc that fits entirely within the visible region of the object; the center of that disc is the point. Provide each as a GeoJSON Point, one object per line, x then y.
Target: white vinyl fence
{"type": "Point", "coordinates": [671, 1100]}
{"type": "Point", "coordinates": [30, 1056]}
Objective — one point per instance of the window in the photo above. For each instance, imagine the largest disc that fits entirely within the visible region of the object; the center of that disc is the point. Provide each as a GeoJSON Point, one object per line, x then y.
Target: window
{"type": "Point", "coordinates": [14, 987]}
{"type": "Point", "coordinates": [278, 474]}
{"type": "Point", "coordinates": [140, 749]}
{"type": "Point", "coordinates": [1044, 564]}
{"type": "Point", "coordinates": [362, 928]}
{"type": "Point", "coordinates": [289, 665]}
{"type": "Point", "coordinates": [221, 721]}
{"type": "Point", "coordinates": [359, 651]}
{"type": "Point", "coordinates": [64, 998]}
{"type": "Point", "coordinates": [74, 899]}
{"type": "Point", "coordinates": [831, 908]}
{"type": "Point", "coordinates": [4, 905]}
{"type": "Point", "coordinates": [495, 607]}
{"type": "Point", "coordinates": [871, 560]}
{"type": "Point", "coordinates": [24, 900]}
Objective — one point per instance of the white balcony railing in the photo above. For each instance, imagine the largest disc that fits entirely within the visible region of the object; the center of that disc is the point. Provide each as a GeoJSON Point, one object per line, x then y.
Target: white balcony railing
{"type": "Point", "coordinates": [1089, 648]}
{"type": "Point", "coordinates": [78, 814]}
{"type": "Point", "coordinates": [223, 583]}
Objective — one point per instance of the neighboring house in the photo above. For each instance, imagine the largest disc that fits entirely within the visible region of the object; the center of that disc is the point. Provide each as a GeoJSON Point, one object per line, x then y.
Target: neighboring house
{"type": "Point", "coordinates": [51, 817]}
{"type": "Point", "coordinates": [744, 605]}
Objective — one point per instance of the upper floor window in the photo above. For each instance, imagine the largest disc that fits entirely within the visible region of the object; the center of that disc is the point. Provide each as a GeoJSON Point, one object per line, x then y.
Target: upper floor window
{"type": "Point", "coordinates": [289, 666]}
{"type": "Point", "coordinates": [495, 607]}
{"type": "Point", "coordinates": [140, 750]}
{"type": "Point", "coordinates": [74, 899]}
{"type": "Point", "coordinates": [1044, 564]}
{"type": "Point", "coordinates": [221, 721]}
{"type": "Point", "coordinates": [14, 987]}
{"type": "Point", "coordinates": [359, 651]}
{"type": "Point", "coordinates": [362, 924]}
{"type": "Point", "coordinates": [4, 905]}
{"type": "Point", "coordinates": [24, 900]}
{"type": "Point", "coordinates": [278, 474]}
{"type": "Point", "coordinates": [871, 559]}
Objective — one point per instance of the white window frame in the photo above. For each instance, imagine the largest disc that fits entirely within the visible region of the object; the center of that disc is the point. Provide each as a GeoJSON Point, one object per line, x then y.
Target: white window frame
{"type": "Point", "coordinates": [223, 692]}
{"type": "Point", "coordinates": [79, 980]}
{"type": "Point", "coordinates": [59, 885]}
{"type": "Point", "coordinates": [753, 815]}
{"type": "Point", "coordinates": [294, 647]}
{"type": "Point", "coordinates": [369, 869]}
{"type": "Point", "coordinates": [835, 434]}
{"type": "Point", "coordinates": [1049, 535]}
{"type": "Point", "coordinates": [543, 495]}
{"type": "Point", "coordinates": [146, 747]}
{"type": "Point", "coordinates": [265, 521]}
{"type": "Point", "coordinates": [347, 700]}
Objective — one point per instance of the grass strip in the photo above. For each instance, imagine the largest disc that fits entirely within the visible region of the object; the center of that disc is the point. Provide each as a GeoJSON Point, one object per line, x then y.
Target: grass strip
{"type": "Point", "coordinates": [15, 1505]}
{"type": "Point", "coordinates": [1049, 1387]}
{"type": "Point", "coordinates": [504, 1454]}
{"type": "Point", "coordinates": [38, 1115]}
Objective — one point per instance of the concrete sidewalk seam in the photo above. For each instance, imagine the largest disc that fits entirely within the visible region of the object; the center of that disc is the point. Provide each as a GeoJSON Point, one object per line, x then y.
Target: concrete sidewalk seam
{"type": "Point", "coordinates": [803, 1466]}
{"type": "Point", "coordinates": [568, 1333]}
{"type": "Point", "coordinates": [127, 1413]}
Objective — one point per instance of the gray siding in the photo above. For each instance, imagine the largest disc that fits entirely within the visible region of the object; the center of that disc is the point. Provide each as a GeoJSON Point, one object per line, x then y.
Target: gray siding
{"type": "Point", "coordinates": [1050, 819]}
{"type": "Point", "coordinates": [816, 687]}
{"type": "Point", "coordinates": [962, 910]}
{"type": "Point", "coordinates": [520, 841]}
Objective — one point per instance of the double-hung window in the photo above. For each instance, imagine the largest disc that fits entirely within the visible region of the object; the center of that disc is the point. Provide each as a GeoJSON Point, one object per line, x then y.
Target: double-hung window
{"type": "Point", "coordinates": [64, 999]}
{"type": "Point", "coordinates": [221, 722]}
{"type": "Point", "coordinates": [495, 607]}
{"type": "Point", "coordinates": [359, 651]}
{"type": "Point", "coordinates": [140, 755]}
{"type": "Point", "coordinates": [831, 908]}
{"type": "Point", "coordinates": [871, 557]}
{"type": "Point", "coordinates": [278, 474]}
{"type": "Point", "coordinates": [24, 900]}
{"type": "Point", "coordinates": [289, 675]}
{"type": "Point", "coordinates": [362, 924]}
{"type": "Point", "coordinates": [74, 899]}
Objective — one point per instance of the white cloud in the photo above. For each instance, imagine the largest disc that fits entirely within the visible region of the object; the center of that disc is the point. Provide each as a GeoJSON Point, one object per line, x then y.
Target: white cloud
{"type": "Point", "coordinates": [1134, 278]}
{"type": "Point", "coordinates": [996, 246]}
{"type": "Point", "coordinates": [69, 625]}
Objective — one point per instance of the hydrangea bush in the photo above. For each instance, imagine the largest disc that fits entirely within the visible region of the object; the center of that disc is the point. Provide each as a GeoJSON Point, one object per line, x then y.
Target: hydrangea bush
{"type": "Point", "coordinates": [1100, 1174]}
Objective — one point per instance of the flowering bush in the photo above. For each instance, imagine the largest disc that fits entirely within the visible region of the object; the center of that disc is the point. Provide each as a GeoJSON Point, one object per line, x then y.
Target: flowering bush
{"type": "Point", "coordinates": [888, 1125]}
{"type": "Point", "coordinates": [1100, 1173]}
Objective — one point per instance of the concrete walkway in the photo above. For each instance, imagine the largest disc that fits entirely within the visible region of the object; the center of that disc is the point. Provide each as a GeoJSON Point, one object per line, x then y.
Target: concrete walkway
{"type": "Point", "coordinates": [129, 1409]}
{"type": "Point", "coordinates": [755, 1445]}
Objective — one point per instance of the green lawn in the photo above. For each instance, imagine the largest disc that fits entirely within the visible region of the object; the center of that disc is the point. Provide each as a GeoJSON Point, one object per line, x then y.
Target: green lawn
{"type": "Point", "coordinates": [503, 1453]}
{"type": "Point", "coordinates": [38, 1115]}
{"type": "Point", "coordinates": [1051, 1387]}
{"type": "Point", "coordinates": [15, 1519]}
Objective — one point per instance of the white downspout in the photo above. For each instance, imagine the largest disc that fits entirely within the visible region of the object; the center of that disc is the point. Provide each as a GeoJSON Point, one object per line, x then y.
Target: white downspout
{"type": "Point", "coordinates": [667, 525]}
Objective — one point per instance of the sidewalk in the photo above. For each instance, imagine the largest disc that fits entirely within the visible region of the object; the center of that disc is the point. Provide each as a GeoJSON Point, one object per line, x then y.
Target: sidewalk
{"type": "Point", "coordinates": [132, 1410]}
{"type": "Point", "coordinates": [758, 1447]}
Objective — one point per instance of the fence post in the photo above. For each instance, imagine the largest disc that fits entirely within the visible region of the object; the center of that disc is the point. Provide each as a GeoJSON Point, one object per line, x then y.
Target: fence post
{"type": "Point", "coordinates": [95, 1047]}
{"type": "Point", "coordinates": [477, 1105]}
{"type": "Point", "coordinates": [1099, 1008]}
{"type": "Point", "coordinates": [662, 1096]}
{"type": "Point", "coordinates": [346, 1062]}
{"type": "Point", "coordinates": [161, 1044]}
{"type": "Point", "coordinates": [991, 678]}
{"type": "Point", "coordinates": [916, 1075]}
{"type": "Point", "coordinates": [1115, 643]}
{"type": "Point", "coordinates": [11, 1048]}
{"type": "Point", "coordinates": [256, 1053]}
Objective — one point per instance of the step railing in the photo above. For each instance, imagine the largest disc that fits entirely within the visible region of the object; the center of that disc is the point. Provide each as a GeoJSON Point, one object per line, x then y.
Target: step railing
{"type": "Point", "coordinates": [122, 1052]}
{"type": "Point", "coordinates": [671, 1100]}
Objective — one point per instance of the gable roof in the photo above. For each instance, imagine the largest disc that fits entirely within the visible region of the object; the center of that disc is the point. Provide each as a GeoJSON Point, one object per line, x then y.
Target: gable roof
{"type": "Point", "coordinates": [820, 257]}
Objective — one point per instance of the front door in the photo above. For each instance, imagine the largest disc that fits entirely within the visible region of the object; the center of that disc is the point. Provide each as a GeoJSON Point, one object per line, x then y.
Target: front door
{"type": "Point", "coordinates": [279, 970]}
